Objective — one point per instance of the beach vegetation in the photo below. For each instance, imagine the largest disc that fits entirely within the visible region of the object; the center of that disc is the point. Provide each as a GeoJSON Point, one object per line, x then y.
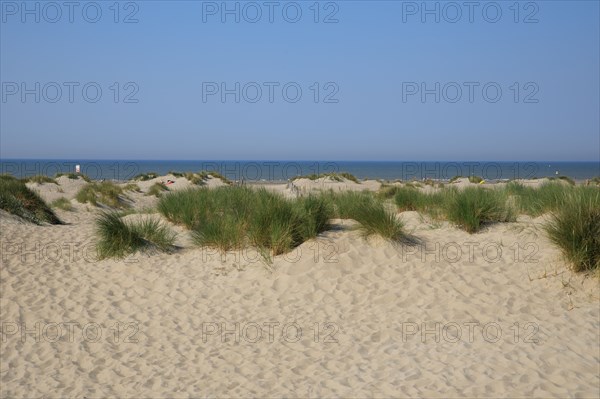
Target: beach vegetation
{"type": "Point", "coordinates": [74, 176]}
{"type": "Point", "coordinates": [474, 207]}
{"type": "Point", "coordinates": [106, 193]}
{"type": "Point", "coordinates": [339, 177]}
{"type": "Point", "coordinates": [387, 191]}
{"type": "Point", "coordinates": [157, 189]}
{"type": "Point", "coordinates": [575, 228]}
{"type": "Point", "coordinates": [566, 179]}
{"type": "Point", "coordinates": [146, 176]}
{"type": "Point", "coordinates": [233, 217]}
{"type": "Point", "coordinates": [17, 199]}
{"type": "Point", "coordinates": [203, 175]}
{"type": "Point", "coordinates": [537, 201]}
{"type": "Point", "coordinates": [132, 187]}
{"type": "Point", "coordinates": [409, 198]}
{"type": "Point", "coordinates": [118, 238]}
{"type": "Point", "coordinates": [40, 179]}
{"type": "Point", "coordinates": [62, 203]}
{"type": "Point", "coordinates": [370, 212]}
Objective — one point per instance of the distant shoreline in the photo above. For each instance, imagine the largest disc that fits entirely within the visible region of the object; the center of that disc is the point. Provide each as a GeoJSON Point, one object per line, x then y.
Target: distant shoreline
{"type": "Point", "coordinates": [282, 171]}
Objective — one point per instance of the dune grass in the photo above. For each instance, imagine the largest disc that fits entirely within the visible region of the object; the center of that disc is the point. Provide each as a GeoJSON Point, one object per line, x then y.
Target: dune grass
{"type": "Point", "coordinates": [106, 193]}
{"type": "Point", "coordinates": [409, 199]}
{"type": "Point", "coordinates": [374, 219]}
{"type": "Point", "coordinates": [563, 178]}
{"type": "Point", "coordinates": [200, 178]}
{"type": "Point", "coordinates": [333, 176]}
{"type": "Point", "coordinates": [537, 201]}
{"type": "Point", "coordinates": [575, 228]}
{"type": "Point", "coordinates": [470, 208]}
{"type": "Point", "coordinates": [195, 179]}
{"type": "Point", "coordinates": [117, 238]}
{"type": "Point", "coordinates": [145, 176]}
{"type": "Point", "coordinates": [434, 204]}
{"type": "Point", "coordinates": [203, 175]}
{"type": "Point", "coordinates": [387, 191]}
{"type": "Point", "coordinates": [234, 217]}
{"type": "Point", "coordinates": [157, 189]}
{"type": "Point", "coordinates": [347, 176]}
{"type": "Point", "coordinates": [474, 207]}
{"type": "Point", "coordinates": [74, 176]}
{"type": "Point", "coordinates": [369, 211]}
{"type": "Point", "coordinates": [40, 179]}
{"type": "Point", "coordinates": [62, 203]}
{"type": "Point", "coordinates": [132, 187]}
{"type": "Point", "coordinates": [17, 199]}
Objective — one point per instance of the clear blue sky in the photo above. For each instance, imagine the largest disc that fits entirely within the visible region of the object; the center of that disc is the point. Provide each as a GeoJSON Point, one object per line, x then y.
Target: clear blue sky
{"type": "Point", "coordinates": [370, 56]}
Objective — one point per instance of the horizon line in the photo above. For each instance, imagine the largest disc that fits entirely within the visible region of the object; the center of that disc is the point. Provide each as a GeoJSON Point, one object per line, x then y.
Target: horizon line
{"type": "Point", "coordinates": [284, 160]}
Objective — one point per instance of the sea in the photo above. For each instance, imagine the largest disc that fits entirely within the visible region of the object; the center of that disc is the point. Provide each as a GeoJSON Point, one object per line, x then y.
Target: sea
{"type": "Point", "coordinates": [281, 171]}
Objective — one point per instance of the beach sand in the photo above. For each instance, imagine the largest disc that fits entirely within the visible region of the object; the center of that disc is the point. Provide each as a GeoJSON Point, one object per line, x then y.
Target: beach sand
{"type": "Point", "coordinates": [493, 314]}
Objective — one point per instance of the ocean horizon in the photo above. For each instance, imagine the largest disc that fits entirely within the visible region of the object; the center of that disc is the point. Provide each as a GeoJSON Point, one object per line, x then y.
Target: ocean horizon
{"type": "Point", "coordinates": [283, 170]}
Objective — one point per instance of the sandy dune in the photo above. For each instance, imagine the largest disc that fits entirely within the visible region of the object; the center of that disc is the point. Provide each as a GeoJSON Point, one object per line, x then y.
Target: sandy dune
{"type": "Point", "coordinates": [433, 320]}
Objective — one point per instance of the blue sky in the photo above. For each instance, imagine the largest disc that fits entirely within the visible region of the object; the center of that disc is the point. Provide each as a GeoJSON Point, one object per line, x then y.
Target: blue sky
{"type": "Point", "coordinates": [370, 68]}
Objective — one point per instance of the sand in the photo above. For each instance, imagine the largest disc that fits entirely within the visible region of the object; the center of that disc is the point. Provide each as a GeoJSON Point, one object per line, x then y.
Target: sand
{"type": "Point", "coordinates": [376, 320]}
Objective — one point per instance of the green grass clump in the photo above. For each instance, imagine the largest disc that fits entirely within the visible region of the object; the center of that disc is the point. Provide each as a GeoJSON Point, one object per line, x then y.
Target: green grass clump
{"type": "Point", "coordinates": [563, 178]}
{"type": "Point", "coordinates": [413, 184]}
{"type": "Point", "coordinates": [157, 189]}
{"type": "Point", "coordinates": [369, 211]}
{"type": "Point", "coordinates": [146, 176]}
{"type": "Point", "coordinates": [234, 217]}
{"type": "Point", "coordinates": [132, 187]}
{"type": "Point", "coordinates": [333, 176]}
{"type": "Point", "coordinates": [40, 179]}
{"type": "Point", "coordinates": [17, 199]}
{"type": "Point", "coordinates": [117, 238]}
{"type": "Point", "coordinates": [203, 175]}
{"type": "Point", "coordinates": [409, 199]}
{"type": "Point", "coordinates": [273, 223]}
{"type": "Point", "coordinates": [315, 211]}
{"type": "Point", "coordinates": [387, 191]}
{"type": "Point", "coordinates": [74, 176]}
{"type": "Point", "coordinates": [434, 204]}
{"type": "Point", "coordinates": [374, 219]}
{"type": "Point", "coordinates": [536, 201]}
{"type": "Point", "coordinates": [575, 228]}
{"type": "Point", "coordinates": [106, 193]}
{"type": "Point", "coordinates": [62, 203]}
{"type": "Point", "coordinates": [348, 176]}
{"type": "Point", "coordinates": [473, 207]}
{"type": "Point", "coordinates": [195, 179]}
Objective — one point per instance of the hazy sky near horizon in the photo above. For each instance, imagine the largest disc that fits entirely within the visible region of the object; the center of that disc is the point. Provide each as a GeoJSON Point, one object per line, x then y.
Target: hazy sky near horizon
{"type": "Point", "coordinates": [348, 80]}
